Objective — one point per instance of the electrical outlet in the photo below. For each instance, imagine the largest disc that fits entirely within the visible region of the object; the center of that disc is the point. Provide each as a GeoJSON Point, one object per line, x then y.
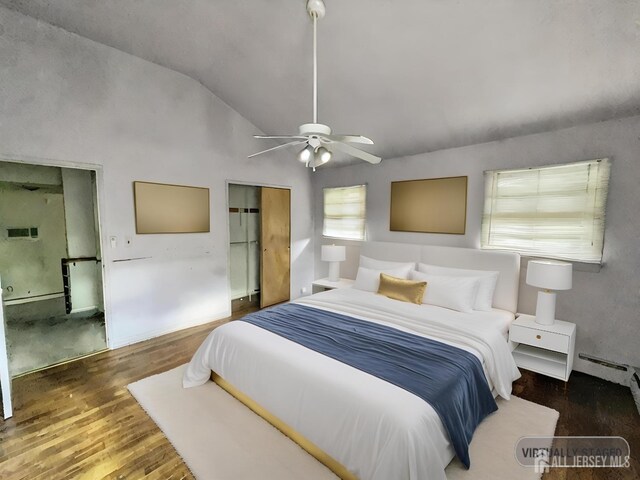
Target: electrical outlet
{"type": "Point", "coordinates": [303, 290]}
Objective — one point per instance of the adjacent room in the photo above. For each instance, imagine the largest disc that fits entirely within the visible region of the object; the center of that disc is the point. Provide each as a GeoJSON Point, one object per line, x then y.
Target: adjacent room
{"type": "Point", "coordinates": [50, 264]}
{"type": "Point", "coordinates": [285, 239]}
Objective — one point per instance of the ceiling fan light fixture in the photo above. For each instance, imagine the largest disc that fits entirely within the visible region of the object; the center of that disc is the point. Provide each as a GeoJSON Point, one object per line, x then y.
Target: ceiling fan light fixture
{"type": "Point", "coordinates": [305, 154]}
{"type": "Point", "coordinates": [316, 134]}
{"type": "Point", "coordinates": [322, 156]}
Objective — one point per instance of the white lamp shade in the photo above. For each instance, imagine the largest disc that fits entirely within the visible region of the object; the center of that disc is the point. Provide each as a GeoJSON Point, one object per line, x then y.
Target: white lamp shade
{"type": "Point", "coordinates": [333, 253]}
{"type": "Point", "coordinates": [549, 274]}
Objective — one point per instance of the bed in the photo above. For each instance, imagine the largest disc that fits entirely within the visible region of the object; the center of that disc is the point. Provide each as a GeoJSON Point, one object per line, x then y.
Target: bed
{"type": "Point", "coordinates": [358, 424]}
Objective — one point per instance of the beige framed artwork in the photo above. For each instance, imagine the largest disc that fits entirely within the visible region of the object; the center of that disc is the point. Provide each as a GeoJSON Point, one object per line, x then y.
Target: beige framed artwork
{"type": "Point", "coordinates": [164, 208]}
{"type": "Point", "coordinates": [433, 205]}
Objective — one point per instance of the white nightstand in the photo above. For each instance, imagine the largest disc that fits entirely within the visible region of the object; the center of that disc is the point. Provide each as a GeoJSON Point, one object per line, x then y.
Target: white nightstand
{"type": "Point", "coordinates": [546, 349]}
{"type": "Point", "coordinates": [325, 284]}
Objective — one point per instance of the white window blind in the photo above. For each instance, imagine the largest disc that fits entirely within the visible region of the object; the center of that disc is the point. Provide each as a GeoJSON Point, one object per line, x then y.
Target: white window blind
{"type": "Point", "coordinates": [344, 212]}
{"type": "Point", "coordinates": [555, 211]}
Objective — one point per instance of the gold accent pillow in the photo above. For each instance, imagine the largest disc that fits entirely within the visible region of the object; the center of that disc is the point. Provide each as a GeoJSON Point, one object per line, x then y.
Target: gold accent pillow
{"type": "Point", "coordinates": [401, 289]}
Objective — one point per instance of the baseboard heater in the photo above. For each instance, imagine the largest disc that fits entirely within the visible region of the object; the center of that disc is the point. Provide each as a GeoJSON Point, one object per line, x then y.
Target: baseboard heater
{"type": "Point", "coordinates": [36, 298]}
{"type": "Point", "coordinates": [634, 383]}
{"type": "Point", "coordinates": [603, 362]}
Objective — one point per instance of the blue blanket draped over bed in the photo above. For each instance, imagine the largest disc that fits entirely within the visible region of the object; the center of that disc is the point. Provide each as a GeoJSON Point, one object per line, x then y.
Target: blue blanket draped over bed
{"type": "Point", "coordinates": [450, 379]}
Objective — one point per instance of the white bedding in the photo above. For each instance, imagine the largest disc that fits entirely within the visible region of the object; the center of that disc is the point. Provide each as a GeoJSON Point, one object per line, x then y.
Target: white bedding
{"type": "Point", "coordinates": [375, 429]}
{"type": "Point", "coordinates": [497, 319]}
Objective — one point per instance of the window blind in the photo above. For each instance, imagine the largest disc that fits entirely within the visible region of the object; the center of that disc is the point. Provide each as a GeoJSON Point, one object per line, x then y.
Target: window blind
{"type": "Point", "coordinates": [554, 211]}
{"type": "Point", "coordinates": [344, 212]}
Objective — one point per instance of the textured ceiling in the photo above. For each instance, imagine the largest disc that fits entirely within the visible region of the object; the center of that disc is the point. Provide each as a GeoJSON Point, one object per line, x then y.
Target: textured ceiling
{"type": "Point", "coordinates": [414, 75]}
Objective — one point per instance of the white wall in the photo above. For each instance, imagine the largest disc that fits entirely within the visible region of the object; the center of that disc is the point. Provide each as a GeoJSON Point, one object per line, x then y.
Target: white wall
{"type": "Point", "coordinates": [31, 267]}
{"type": "Point", "coordinates": [85, 278]}
{"type": "Point", "coordinates": [67, 99]}
{"type": "Point", "coordinates": [30, 174]}
{"type": "Point", "coordinates": [604, 304]}
{"type": "Point", "coordinates": [79, 212]}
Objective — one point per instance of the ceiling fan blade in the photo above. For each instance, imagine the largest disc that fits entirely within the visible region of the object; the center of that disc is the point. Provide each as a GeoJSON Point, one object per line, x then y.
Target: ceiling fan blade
{"type": "Point", "coordinates": [295, 142]}
{"type": "Point", "coordinates": [279, 136]}
{"type": "Point", "coordinates": [356, 152]}
{"type": "Point", "coordinates": [349, 139]}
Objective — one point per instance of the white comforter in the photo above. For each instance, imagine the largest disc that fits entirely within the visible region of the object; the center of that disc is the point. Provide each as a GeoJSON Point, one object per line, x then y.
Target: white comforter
{"type": "Point", "coordinates": [375, 429]}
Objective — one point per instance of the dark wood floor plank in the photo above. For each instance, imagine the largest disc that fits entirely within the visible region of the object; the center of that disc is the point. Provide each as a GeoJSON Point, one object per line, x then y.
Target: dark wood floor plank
{"type": "Point", "coordinates": [587, 406]}
{"type": "Point", "coordinates": [78, 420]}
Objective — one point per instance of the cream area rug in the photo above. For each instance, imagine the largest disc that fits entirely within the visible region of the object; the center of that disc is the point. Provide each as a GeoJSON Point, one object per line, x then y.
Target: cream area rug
{"type": "Point", "coordinates": [221, 439]}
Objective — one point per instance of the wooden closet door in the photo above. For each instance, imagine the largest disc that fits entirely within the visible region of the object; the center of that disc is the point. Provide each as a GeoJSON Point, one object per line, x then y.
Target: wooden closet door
{"type": "Point", "coordinates": [275, 239]}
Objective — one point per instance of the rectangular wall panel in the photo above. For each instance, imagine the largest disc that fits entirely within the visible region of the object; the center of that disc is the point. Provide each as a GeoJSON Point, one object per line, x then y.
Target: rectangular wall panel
{"type": "Point", "coordinates": [434, 205]}
{"type": "Point", "coordinates": [162, 208]}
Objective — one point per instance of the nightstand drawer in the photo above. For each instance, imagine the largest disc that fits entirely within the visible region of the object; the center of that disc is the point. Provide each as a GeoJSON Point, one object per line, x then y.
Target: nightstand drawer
{"type": "Point", "coordinates": [539, 338]}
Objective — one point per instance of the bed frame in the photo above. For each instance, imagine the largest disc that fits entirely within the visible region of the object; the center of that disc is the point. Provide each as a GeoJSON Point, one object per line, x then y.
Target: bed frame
{"type": "Point", "coordinates": [506, 298]}
{"type": "Point", "coordinates": [304, 443]}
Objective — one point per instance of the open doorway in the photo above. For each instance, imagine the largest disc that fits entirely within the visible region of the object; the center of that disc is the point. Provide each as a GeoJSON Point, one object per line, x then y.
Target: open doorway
{"type": "Point", "coordinates": [50, 265]}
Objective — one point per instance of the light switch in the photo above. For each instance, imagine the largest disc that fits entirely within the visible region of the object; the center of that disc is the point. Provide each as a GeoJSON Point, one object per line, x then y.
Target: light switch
{"type": "Point", "coordinates": [113, 241]}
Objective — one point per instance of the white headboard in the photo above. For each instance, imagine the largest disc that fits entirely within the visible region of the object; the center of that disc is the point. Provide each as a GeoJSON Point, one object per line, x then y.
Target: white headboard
{"type": "Point", "coordinates": [507, 263]}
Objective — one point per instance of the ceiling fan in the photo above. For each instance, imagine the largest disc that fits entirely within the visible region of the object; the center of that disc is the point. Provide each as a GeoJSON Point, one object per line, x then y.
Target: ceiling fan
{"type": "Point", "coordinates": [318, 137]}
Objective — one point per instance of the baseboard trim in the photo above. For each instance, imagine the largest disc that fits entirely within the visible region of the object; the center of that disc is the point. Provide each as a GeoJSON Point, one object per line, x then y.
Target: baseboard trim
{"type": "Point", "coordinates": [37, 298]}
{"type": "Point", "coordinates": [84, 309]}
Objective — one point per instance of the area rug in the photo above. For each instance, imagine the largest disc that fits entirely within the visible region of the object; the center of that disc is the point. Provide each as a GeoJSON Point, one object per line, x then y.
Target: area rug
{"type": "Point", "coordinates": [221, 439]}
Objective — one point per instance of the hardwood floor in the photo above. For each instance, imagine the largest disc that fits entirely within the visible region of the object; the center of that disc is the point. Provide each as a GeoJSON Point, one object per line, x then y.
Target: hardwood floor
{"type": "Point", "coordinates": [587, 406]}
{"type": "Point", "coordinates": [78, 420]}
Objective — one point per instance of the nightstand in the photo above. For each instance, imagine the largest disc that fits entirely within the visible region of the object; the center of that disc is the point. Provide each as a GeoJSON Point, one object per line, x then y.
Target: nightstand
{"type": "Point", "coordinates": [326, 284]}
{"type": "Point", "coordinates": [545, 349]}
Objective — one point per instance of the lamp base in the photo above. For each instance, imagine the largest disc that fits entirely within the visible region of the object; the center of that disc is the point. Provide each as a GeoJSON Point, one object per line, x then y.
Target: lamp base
{"type": "Point", "coordinates": [546, 308]}
{"type": "Point", "coordinates": [334, 271]}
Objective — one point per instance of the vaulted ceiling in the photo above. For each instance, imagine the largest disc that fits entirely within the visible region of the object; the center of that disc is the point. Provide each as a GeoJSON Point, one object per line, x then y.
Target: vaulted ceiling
{"type": "Point", "coordinates": [414, 75]}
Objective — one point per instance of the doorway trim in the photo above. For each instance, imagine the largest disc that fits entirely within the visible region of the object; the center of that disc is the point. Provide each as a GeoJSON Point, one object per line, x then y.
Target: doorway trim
{"type": "Point", "coordinates": [100, 200]}
{"type": "Point", "coordinates": [228, 241]}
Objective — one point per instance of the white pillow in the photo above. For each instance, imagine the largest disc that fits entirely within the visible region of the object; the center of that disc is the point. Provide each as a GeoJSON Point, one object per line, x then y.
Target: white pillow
{"type": "Point", "coordinates": [456, 293]}
{"type": "Point", "coordinates": [368, 279]}
{"type": "Point", "coordinates": [486, 289]}
{"type": "Point", "coordinates": [368, 262]}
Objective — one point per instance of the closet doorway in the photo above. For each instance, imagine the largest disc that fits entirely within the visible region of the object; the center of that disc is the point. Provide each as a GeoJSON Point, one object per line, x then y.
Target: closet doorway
{"type": "Point", "coordinates": [259, 250]}
{"type": "Point", "coordinates": [50, 265]}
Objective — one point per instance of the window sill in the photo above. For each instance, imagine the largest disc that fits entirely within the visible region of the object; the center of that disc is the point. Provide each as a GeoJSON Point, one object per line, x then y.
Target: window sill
{"type": "Point", "coordinates": [577, 265]}
{"type": "Point", "coordinates": [342, 239]}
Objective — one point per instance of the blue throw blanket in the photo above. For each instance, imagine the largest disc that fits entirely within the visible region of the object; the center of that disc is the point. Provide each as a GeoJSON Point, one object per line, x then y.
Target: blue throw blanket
{"type": "Point", "coordinates": [450, 379]}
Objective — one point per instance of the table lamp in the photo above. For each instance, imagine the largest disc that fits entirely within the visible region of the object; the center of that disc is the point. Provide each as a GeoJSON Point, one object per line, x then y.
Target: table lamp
{"type": "Point", "coordinates": [548, 275]}
{"type": "Point", "coordinates": [334, 254]}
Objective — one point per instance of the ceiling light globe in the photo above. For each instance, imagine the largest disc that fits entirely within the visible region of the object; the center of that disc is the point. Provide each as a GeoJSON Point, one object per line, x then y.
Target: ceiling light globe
{"type": "Point", "coordinates": [305, 154]}
{"type": "Point", "coordinates": [322, 156]}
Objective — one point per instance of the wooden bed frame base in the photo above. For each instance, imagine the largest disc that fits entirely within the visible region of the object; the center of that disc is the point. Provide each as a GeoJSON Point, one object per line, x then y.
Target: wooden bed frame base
{"type": "Point", "coordinates": [311, 448]}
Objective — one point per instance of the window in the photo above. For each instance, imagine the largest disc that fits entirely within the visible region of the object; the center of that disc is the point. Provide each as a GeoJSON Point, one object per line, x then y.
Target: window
{"type": "Point", "coordinates": [344, 212]}
{"type": "Point", "coordinates": [555, 211]}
